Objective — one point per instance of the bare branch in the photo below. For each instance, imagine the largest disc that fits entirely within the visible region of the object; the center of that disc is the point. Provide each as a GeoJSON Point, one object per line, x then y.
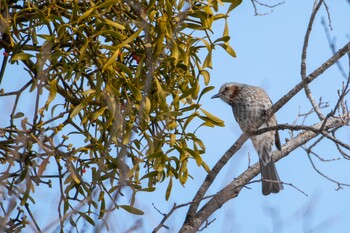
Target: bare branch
{"type": "Point", "coordinates": [339, 184]}
{"type": "Point", "coordinates": [233, 189]}
{"type": "Point", "coordinates": [304, 55]}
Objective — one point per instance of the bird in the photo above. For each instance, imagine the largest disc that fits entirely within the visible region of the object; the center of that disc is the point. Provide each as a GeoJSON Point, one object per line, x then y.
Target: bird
{"type": "Point", "coordinates": [249, 105]}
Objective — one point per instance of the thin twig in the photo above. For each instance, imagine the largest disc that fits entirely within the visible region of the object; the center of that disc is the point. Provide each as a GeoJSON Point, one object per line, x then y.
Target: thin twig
{"type": "Point", "coordinates": [256, 2]}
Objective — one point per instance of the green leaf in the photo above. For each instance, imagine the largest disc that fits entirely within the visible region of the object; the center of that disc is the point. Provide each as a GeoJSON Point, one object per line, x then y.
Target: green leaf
{"type": "Point", "coordinates": [149, 189]}
{"type": "Point", "coordinates": [205, 166]}
{"type": "Point", "coordinates": [53, 91]}
{"type": "Point", "coordinates": [131, 38]}
{"type": "Point", "coordinates": [194, 26]}
{"type": "Point", "coordinates": [234, 4]}
{"type": "Point", "coordinates": [102, 209]}
{"type": "Point", "coordinates": [114, 24]}
{"type": "Point", "coordinates": [149, 175]}
{"type": "Point", "coordinates": [127, 134]}
{"type": "Point", "coordinates": [208, 60]}
{"type": "Point", "coordinates": [72, 221]}
{"type": "Point", "coordinates": [223, 39]}
{"type": "Point", "coordinates": [106, 4]}
{"type": "Point", "coordinates": [87, 218]}
{"type": "Point", "coordinates": [124, 68]}
{"type": "Point", "coordinates": [146, 105]}
{"type": "Point", "coordinates": [195, 91]}
{"type": "Point", "coordinates": [189, 119]}
{"type": "Point", "coordinates": [183, 174]}
{"type": "Point", "coordinates": [21, 57]}
{"type": "Point", "coordinates": [131, 209]}
{"type": "Point", "coordinates": [228, 49]}
{"type": "Point", "coordinates": [172, 139]}
{"type": "Point", "coordinates": [77, 109]}
{"type": "Point", "coordinates": [73, 174]}
{"type": "Point", "coordinates": [160, 93]}
{"type": "Point", "coordinates": [98, 113]}
{"type": "Point", "coordinates": [136, 92]}
{"type": "Point", "coordinates": [206, 76]}
{"type": "Point", "coordinates": [182, 152]}
{"type": "Point", "coordinates": [111, 60]}
{"type": "Point", "coordinates": [226, 30]}
{"type": "Point", "coordinates": [155, 155]}
{"type": "Point", "coordinates": [85, 15]}
{"type": "Point", "coordinates": [18, 115]}
{"type": "Point", "coordinates": [195, 155]}
{"type": "Point", "coordinates": [113, 34]}
{"type": "Point", "coordinates": [215, 119]}
{"type": "Point", "coordinates": [205, 90]}
{"type": "Point", "coordinates": [168, 189]}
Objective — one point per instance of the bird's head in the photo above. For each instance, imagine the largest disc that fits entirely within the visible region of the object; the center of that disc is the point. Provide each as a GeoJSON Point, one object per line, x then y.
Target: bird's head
{"type": "Point", "coordinates": [229, 91]}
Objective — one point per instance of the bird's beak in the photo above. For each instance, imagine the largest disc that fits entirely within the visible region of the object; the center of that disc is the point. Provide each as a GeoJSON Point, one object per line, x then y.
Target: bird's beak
{"type": "Point", "coordinates": [218, 95]}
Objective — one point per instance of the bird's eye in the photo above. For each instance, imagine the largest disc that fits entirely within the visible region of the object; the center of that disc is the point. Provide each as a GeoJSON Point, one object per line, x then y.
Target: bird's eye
{"type": "Point", "coordinates": [226, 89]}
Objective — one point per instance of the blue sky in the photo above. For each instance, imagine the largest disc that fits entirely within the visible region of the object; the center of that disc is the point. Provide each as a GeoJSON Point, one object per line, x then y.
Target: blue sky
{"type": "Point", "coordinates": [268, 55]}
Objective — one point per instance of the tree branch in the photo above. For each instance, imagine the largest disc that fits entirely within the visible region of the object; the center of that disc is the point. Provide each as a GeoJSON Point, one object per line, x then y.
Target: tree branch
{"type": "Point", "coordinates": [190, 218]}
{"type": "Point", "coordinates": [233, 189]}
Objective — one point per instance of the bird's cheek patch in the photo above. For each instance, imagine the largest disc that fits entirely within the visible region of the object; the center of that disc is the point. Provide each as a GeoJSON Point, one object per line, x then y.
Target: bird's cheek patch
{"type": "Point", "coordinates": [234, 92]}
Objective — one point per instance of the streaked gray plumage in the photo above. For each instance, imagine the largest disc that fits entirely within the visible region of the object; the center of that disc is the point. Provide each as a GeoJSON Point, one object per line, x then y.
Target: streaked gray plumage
{"type": "Point", "coordinates": [249, 104]}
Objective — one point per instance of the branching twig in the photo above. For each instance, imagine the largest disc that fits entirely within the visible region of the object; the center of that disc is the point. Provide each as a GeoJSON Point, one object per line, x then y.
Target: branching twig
{"type": "Point", "coordinates": [325, 176]}
{"type": "Point", "coordinates": [256, 2]}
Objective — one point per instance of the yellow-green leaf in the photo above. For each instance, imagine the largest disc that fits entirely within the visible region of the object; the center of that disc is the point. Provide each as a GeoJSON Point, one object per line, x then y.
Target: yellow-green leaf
{"type": "Point", "coordinates": [206, 76]}
{"type": "Point", "coordinates": [53, 91]}
{"type": "Point", "coordinates": [205, 90]}
{"type": "Point", "coordinates": [127, 135]}
{"type": "Point", "coordinates": [98, 113]}
{"type": "Point", "coordinates": [234, 4]}
{"type": "Point", "coordinates": [172, 139]}
{"type": "Point", "coordinates": [136, 92]}
{"type": "Point", "coordinates": [115, 24]}
{"type": "Point", "coordinates": [208, 60]}
{"type": "Point", "coordinates": [205, 166]}
{"type": "Point", "coordinates": [87, 218]}
{"type": "Point", "coordinates": [195, 155]}
{"type": "Point", "coordinates": [18, 115]}
{"type": "Point", "coordinates": [146, 105]}
{"type": "Point", "coordinates": [73, 174]}
{"type": "Point", "coordinates": [111, 60]}
{"type": "Point", "coordinates": [131, 209]}
{"type": "Point", "coordinates": [124, 68]}
{"type": "Point", "coordinates": [77, 109]}
{"type": "Point", "coordinates": [212, 117]}
{"type": "Point", "coordinates": [168, 189]}
{"type": "Point", "coordinates": [102, 208]}
{"type": "Point", "coordinates": [85, 15]}
{"type": "Point", "coordinates": [106, 4]}
{"type": "Point", "coordinates": [21, 57]}
{"type": "Point", "coordinates": [113, 34]}
{"type": "Point", "coordinates": [228, 49]}
{"type": "Point", "coordinates": [130, 39]}
{"type": "Point", "coordinates": [226, 30]}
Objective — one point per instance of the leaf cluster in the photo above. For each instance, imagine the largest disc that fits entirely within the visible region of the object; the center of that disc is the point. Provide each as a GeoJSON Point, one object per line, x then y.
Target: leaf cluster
{"type": "Point", "coordinates": [116, 87]}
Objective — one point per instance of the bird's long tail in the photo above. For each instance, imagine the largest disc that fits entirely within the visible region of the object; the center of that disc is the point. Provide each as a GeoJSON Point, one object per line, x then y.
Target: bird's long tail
{"type": "Point", "coordinates": [271, 182]}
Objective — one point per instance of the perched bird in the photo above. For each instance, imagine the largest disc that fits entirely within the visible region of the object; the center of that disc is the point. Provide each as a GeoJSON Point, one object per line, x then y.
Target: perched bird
{"type": "Point", "coordinates": [249, 105]}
